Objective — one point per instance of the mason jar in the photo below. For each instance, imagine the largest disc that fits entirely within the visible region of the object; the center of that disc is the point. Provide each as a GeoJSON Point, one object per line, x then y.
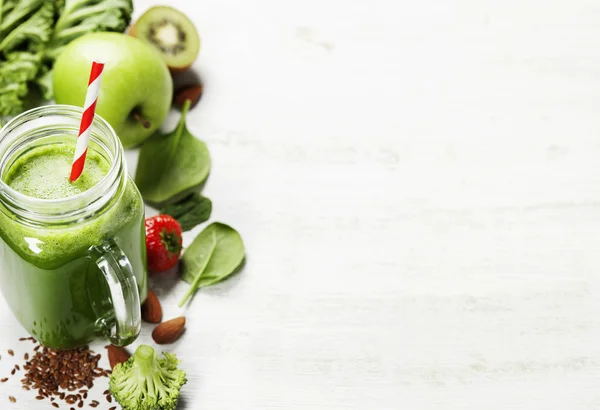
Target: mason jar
{"type": "Point", "coordinates": [72, 265]}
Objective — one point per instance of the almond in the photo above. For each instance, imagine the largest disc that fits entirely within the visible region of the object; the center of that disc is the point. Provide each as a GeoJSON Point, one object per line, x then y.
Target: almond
{"type": "Point", "coordinates": [169, 331]}
{"type": "Point", "coordinates": [116, 355]}
{"type": "Point", "coordinates": [190, 92]}
{"type": "Point", "coordinates": [151, 309]}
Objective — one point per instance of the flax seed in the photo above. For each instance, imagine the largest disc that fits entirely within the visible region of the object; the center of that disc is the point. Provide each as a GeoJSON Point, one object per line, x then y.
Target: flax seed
{"type": "Point", "coordinates": [12, 399]}
{"type": "Point", "coordinates": [61, 375]}
{"type": "Point", "coordinates": [4, 379]}
{"type": "Point", "coordinates": [10, 352]}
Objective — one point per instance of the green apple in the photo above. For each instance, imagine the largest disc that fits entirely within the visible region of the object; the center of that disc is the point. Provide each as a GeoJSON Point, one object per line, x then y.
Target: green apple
{"type": "Point", "coordinates": [136, 88]}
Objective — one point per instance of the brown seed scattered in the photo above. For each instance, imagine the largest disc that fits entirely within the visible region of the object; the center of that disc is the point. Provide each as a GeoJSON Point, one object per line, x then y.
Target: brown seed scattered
{"type": "Point", "coordinates": [96, 402]}
{"type": "Point", "coordinates": [13, 371]}
{"type": "Point", "coordinates": [10, 352]}
{"type": "Point", "coordinates": [151, 309]}
{"type": "Point", "coordinates": [116, 355]}
{"type": "Point", "coordinates": [17, 367]}
{"type": "Point", "coordinates": [4, 379]}
{"type": "Point", "coordinates": [85, 395]}
{"type": "Point", "coordinates": [54, 372]}
{"type": "Point", "coordinates": [113, 408]}
{"type": "Point", "coordinates": [106, 392]}
{"type": "Point", "coordinates": [169, 331]}
{"type": "Point", "coordinates": [109, 398]}
{"type": "Point", "coordinates": [12, 399]}
{"type": "Point", "coordinates": [191, 92]}
{"type": "Point", "coordinates": [26, 356]}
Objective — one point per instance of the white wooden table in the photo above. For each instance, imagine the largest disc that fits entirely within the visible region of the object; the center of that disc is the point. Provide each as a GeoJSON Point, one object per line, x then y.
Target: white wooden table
{"type": "Point", "coordinates": [418, 188]}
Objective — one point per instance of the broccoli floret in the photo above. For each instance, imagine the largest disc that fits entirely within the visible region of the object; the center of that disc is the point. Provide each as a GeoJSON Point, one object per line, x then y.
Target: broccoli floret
{"type": "Point", "coordinates": [147, 382]}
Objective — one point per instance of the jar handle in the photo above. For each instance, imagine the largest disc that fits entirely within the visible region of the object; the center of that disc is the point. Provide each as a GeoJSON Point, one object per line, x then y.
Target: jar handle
{"type": "Point", "coordinates": [125, 327]}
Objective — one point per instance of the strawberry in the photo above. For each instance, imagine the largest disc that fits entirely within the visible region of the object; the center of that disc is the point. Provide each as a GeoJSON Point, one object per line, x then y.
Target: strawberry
{"type": "Point", "coordinates": [163, 242]}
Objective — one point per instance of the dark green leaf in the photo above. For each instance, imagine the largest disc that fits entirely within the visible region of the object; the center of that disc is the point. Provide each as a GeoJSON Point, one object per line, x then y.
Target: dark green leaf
{"type": "Point", "coordinates": [172, 165]}
{"type": "Point", "coordinates": [190, 212]}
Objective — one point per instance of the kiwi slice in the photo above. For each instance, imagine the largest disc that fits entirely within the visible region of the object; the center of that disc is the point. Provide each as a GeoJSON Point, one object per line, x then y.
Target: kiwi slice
{"type": "Point", "coordinates": [171, 33]}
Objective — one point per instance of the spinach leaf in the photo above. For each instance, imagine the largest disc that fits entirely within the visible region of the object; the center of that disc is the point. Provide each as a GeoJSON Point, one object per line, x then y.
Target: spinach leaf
{"type": "Point", "coordinates": [213, 256]}
{"type": "Point", "coordinates": [190, 212]}
{"type": "Point", "coordinates": [172, 165]}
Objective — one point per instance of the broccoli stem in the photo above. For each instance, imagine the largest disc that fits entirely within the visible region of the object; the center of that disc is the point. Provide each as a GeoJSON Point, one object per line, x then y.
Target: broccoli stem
{"type": "Point", "coordinates": [144, 358]}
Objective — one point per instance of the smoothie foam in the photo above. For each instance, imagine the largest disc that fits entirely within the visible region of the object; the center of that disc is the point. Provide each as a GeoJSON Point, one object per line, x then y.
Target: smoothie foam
{"type": "Point", "coordinates": [43, 172]}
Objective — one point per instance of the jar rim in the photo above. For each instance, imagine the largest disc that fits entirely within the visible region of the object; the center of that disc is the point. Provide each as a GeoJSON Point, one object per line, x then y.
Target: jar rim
{"type": "Point", "coordinates": [60, 208]}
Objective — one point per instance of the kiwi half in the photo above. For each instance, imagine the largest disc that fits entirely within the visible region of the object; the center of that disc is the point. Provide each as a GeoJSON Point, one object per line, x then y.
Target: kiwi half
{"type": "Point", "coordinates": [171, 33]}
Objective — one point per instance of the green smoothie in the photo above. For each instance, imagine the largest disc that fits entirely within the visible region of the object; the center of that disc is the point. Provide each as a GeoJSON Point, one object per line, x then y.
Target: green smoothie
{"type": "Point", "coordinates": [44, 172]}
{"type": "Point", "coordinates": [48, 278]}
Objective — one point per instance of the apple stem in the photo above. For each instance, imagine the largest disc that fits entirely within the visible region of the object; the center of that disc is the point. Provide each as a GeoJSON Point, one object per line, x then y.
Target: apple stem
{"type": "Point", "coordinates": [138, 117]}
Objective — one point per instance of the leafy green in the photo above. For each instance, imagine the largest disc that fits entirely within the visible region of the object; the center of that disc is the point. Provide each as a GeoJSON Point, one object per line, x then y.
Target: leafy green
{"type": "Point", "coordinates": [34, 32]}
{"type": "Point", "coordinates": [213, 256]}
{"type": "Point", "coordinates": [190, 211]}
{"type": "Point", "coordinates": [172, 165]}
{"type": "Point", "coordinates": [78, 17]}
{"type": "Point", "coordinates": [21, 50]}
{"type": "Point", "coordinates": [147, 382]}
{"type": "Point", "coordinates": [15, 12]}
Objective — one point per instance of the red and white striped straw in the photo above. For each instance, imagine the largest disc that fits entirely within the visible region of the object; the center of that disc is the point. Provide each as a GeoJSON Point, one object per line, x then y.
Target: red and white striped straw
{"type": "Point", "coordinates": [86, 120]}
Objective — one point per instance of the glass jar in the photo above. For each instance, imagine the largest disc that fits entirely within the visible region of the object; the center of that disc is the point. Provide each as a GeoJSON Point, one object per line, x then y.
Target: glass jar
{"type": "Point", "coordinates": [71, 268]}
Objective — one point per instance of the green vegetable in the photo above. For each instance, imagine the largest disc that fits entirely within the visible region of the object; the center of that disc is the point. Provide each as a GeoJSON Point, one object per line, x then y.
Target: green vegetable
{"type": "Point", "coordinates": [34, 32]}
{"type": "Point", "coordinates": [213, 256]}
{"type": "Point", "coordinates": [24, 28]}
{"type": "Point", "coordinates": [190, 212]}
{"type": "Point", "coordinates": [147, 382]}
{"type": "Point", "coordinates": [172, 165]}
